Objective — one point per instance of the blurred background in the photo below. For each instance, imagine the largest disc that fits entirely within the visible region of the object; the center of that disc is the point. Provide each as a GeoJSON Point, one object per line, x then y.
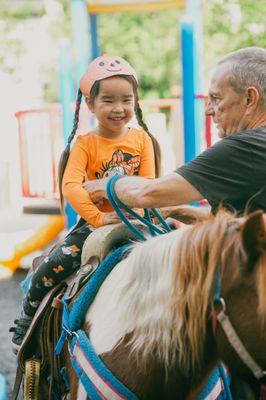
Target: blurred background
{"type": "Point", "coordinates": [45, 45]}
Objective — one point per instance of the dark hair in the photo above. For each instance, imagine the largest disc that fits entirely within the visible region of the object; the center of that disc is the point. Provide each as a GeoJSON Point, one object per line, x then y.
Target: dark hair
{"type": "Point", "coordinates": [65, 155]}
{"type": "Point", "coordinates": [93, 94]}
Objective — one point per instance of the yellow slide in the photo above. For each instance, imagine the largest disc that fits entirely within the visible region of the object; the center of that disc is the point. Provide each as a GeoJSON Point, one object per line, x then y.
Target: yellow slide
{"type": "Point", "coordinates": [41, 238]}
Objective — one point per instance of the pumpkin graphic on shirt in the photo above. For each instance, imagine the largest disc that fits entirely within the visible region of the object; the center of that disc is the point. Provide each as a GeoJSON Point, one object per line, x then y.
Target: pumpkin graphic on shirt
{"type": "Point", "coordinates": [121, 163]}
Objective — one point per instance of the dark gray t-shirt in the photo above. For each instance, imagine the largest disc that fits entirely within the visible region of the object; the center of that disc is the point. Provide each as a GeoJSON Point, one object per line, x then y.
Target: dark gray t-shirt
{"type": "Point", "coordinates": [232, 172]}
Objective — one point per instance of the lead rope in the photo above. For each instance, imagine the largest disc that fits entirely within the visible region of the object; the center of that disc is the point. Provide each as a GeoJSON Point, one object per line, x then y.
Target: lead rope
{"type": "Point", "coordinates": [118, 206]}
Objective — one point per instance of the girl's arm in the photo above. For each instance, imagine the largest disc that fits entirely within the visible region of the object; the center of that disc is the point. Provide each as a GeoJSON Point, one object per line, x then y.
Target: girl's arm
{"type": "Point", "coordinates": [73, 190]}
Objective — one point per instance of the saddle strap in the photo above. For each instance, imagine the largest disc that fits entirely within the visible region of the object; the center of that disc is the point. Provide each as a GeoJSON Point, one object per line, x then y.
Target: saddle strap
{"type": "Point", "coordinates": [55, 362]}
{"type": "Point", "coordinates": [32, 378]}
{"type": "Point", "coordinates": [49, 335]}
{"type": "Point", "coordinates": [17, 384]}
{"type": "Point", "coordinates": [25, 351]}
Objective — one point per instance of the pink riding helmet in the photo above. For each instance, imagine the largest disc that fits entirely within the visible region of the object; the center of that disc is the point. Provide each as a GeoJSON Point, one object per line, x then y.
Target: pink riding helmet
{"type": "Point", "coordinates": [104, 67]}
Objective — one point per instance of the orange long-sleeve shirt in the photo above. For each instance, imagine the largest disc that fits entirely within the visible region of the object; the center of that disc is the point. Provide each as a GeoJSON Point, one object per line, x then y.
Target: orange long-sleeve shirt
{"type": "Point", "coordinates": [94, 157]}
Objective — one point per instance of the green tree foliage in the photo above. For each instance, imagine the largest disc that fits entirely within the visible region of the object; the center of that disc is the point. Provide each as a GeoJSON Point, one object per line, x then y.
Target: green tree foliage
{"type": "Point", "coordinates": [21, 9]}
{"type": "Point", "coordinates": [230, 25]}
{"type": "Point", "coordinates": [150, 41]}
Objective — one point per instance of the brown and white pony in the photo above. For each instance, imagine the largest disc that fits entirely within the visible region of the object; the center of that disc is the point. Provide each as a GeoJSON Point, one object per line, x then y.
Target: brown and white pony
{"type": "Point", "coordinates": [150, 321]}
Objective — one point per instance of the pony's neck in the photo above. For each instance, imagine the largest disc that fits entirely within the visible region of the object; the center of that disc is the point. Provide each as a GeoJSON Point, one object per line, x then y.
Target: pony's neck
{"type": "Point", "coordinates": [161, 294]}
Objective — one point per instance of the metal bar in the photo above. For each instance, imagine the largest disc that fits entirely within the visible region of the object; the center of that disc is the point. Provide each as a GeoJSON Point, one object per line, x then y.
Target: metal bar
{"type": "Point", "coordinates": [133, 7]}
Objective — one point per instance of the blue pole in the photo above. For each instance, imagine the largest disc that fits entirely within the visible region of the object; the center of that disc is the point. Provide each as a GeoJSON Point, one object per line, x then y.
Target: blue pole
{"type": "Point", "coordinates": [95, 49]}
{"type": "Point", "coordinates": [3, 388]}
{"type": "Point", "coordinates": [66, 97]}
{"type": "Point", "coordinates": [188, 83]}
{"type": "Point", "coordinates": [194, 10]}
{"type": "Point", "coordinates": [191, 44]}
{"type": "Point", "coordinates": [80, 36]}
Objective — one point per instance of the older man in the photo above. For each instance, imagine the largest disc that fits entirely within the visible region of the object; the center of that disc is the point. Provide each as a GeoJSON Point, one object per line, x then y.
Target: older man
{"type": "Point", "coordinates": [233, 171]}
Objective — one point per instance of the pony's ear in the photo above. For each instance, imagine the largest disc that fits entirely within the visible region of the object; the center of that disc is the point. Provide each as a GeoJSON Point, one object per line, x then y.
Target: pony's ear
{"type": "Point", "coordinates": [254, 236]}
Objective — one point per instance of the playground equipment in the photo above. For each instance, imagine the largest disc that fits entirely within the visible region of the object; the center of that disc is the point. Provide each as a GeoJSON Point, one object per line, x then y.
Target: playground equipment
{"type": "Point", "coordinates": [41, 143]}
{"type": "Point", "coordinates": [39, 155]}
{"type": "Point", "coordinates": [85, 12]}
{"type": "Point", "coordinates": [40, 131]}
{"type": "Point", "coordinates": [42, 237]}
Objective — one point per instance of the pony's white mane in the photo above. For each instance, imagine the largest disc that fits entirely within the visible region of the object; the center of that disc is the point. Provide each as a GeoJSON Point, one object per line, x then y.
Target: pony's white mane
{"type": "Point", "coordinates": [138, 295]}
{"type": "Point", "coordinates": [160, 294]}
{"type": "Point", "coordinates": [145, 294]}
{"type": "Point", "coordinates": [147, 297]}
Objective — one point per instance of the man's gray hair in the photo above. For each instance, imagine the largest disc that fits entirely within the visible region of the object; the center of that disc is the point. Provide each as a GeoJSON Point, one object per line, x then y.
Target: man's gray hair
{"type": "Point", "coordinates": [248, 68]}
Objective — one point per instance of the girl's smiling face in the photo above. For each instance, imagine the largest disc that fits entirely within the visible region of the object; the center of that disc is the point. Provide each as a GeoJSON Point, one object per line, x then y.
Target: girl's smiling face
{"type": "Point", "coordinates": [113, 106]}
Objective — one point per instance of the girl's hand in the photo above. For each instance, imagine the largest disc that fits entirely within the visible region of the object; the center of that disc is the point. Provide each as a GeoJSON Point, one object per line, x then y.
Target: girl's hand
{"type": "Point", "coordinates": [111, 218]}
{"type": "Point", "coordinates": [96, 189]}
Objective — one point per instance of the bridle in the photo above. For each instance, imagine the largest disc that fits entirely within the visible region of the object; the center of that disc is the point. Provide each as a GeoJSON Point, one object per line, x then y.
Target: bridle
{"type": "Point", "coordinates": [222, 318]}
{"type": "Point", "coordinates": [219, 316]}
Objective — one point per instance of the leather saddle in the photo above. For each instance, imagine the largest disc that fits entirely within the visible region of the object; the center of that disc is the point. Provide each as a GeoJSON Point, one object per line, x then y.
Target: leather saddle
{"type": "Point", "coordinates": [44, 332]}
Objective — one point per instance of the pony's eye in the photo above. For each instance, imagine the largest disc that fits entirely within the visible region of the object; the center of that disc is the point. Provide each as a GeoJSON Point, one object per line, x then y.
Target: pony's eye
{"type": "Point", "coordinates": [118, 62]}
{"type": "Point", "coordinates": [101, 64]}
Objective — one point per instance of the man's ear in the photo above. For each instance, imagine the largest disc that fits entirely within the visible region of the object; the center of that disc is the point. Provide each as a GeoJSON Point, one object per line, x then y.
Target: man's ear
{"type": "Point", "coordinates": [252, 97]}
{"type": "Point", "coordinates": [254, 236]}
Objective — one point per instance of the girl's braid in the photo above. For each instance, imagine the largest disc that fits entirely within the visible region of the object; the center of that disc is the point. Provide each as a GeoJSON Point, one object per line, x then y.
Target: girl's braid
{"type": "Point", "coordinates": [65, 154]}
{"type": "Point", "coordinates": [76, 117]}
{"type": "Point", "coordinates": [156, 146]}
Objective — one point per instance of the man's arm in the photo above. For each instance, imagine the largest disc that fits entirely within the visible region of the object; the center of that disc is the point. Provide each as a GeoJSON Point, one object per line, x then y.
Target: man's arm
{"type": "Point", "coordinates": [138, 192]}
{"type": "Point", "coordinates": [169, 190]}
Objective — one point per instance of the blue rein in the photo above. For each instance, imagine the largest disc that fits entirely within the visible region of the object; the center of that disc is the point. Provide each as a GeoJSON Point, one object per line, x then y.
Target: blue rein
{"type": "Point", "coordinates": [118, 206]}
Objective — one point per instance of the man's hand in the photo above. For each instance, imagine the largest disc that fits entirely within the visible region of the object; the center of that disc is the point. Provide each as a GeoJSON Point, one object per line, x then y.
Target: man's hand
{"type": "Point", "coordinates": [186, 214]}
{"type": "Point", "coordinates": [96, 189]}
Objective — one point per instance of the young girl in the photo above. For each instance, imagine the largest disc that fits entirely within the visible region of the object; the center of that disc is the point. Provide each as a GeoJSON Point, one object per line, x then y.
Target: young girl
{"type": "Point", "coordinates": [110, 90]}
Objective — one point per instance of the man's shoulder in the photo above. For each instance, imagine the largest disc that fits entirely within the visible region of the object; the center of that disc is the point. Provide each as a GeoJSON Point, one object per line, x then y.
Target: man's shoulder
{"type": "Point", "coordinates": [258, 133]}
{"type": "Point", "coordinates": [242, 140]}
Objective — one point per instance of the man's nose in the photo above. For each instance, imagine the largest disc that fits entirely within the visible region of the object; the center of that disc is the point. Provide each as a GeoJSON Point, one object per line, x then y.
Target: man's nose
{"type": "Point", "coordinates": [209, 111]}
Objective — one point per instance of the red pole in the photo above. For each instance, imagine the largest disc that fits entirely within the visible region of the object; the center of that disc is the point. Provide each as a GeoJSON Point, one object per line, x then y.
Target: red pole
{"type": "Point", "coordinates": [208, 135]}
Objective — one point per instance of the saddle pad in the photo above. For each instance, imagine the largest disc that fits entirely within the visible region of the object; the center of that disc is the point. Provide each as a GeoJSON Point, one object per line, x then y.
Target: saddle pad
{"type": "Point", "coordinates": [102, 240]}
